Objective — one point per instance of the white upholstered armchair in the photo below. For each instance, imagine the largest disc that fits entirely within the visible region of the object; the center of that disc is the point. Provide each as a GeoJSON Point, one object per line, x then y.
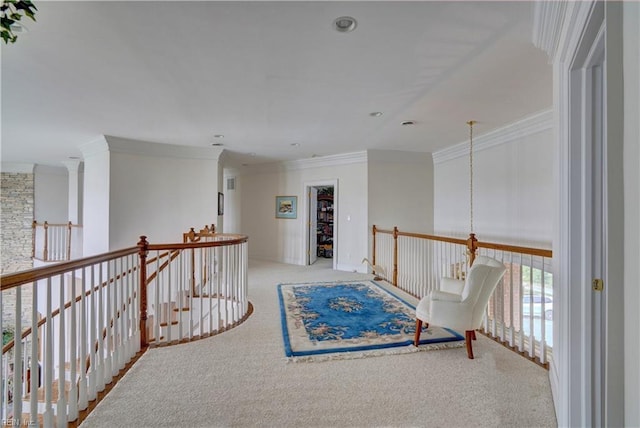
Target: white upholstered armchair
{"type": "Point", "coordinates": [460, 305]}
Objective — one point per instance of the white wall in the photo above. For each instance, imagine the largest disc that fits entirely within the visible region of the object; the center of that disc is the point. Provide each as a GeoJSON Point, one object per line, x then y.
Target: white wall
{"type": "Point", "coordinates": [631, 43]}
{"type": "Point", "coordinates": [282, 240]}
{"type": "Point", "coordinates": [232, 201]}
{"type": "Point", "coordinates": [51, 194]}
{"type": "Point", "coordinates": [135, 188]}
{"type": "Point", "coordinates": [95, 231]}
{"type": "Point", "coordinates": [400, 190]}
{"type": "Point", "coordinates": [160, 191]}
{"type": "Point", "coordinates": [512, 185]}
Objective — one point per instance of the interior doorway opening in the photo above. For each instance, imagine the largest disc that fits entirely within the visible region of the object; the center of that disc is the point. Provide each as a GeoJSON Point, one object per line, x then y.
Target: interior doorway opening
{"type": "Point", "coordinates": [321, 223]}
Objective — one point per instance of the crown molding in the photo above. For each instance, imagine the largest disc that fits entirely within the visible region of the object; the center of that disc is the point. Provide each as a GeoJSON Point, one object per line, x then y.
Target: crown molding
{"type": "Point", "coordinates": [398, 156]}
{"type": "Point", "coordinates": [548, 17]}
{"type": "Point", "coordinates": [109, 143]}
{"type": "Point", "coordinates": [146, 148]}
{"type": "Point", "coordinates": [51, 170]}
{"type": "Point", "coordinates": [530, 125]}
{"type": "Point", "coordinates": [17, 168]}
{"type": "Point", "coordinates": [95, 147]}
{"type": "Point", "coordinates": [300, 164]}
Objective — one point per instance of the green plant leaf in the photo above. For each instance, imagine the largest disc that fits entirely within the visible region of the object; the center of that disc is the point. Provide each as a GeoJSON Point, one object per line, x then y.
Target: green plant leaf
{"type": "Point", "coordinates": [6, 22]}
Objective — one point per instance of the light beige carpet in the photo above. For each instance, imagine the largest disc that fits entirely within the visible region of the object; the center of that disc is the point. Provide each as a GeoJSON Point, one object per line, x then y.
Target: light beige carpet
{"type": "Point", "coordinates": [242, 378]}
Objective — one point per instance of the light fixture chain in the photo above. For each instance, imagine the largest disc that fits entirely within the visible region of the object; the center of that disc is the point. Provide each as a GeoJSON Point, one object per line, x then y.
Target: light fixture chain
{"type": "Point", "coordinates": [470, 123]}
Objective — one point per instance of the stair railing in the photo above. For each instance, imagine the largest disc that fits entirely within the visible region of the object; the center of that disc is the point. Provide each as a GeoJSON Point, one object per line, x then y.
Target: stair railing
{"type": "Point", "coordinates": [520, 312]}
{"type": "Point", "coordinates": [53, 242]}
{"type": "Point", "coordinates": [90, 318]}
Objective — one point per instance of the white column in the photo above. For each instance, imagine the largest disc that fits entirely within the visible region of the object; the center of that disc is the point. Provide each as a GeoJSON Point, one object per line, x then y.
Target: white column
{"type": "Point", "coordinates": [74, 214]}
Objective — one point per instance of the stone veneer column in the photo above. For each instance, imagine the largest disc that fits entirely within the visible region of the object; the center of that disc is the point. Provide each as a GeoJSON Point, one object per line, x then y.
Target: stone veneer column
{"type": "Point", "coordinates": [16, 215]}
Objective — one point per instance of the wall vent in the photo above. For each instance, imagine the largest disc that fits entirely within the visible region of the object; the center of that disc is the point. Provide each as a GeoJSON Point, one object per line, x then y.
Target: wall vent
{"type": "Point", "coordinates": [231, 183]}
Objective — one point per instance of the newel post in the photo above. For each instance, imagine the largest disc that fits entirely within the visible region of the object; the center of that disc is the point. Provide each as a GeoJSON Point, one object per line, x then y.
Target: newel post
{"type": "Point", "coordinates": [395, 255]}
{"type": "Point", "coordinates": [143, 251]}
{"type": "Point", "coordinates": [45, 252]}
{"type": "Point", "coordinates": [69, 241]}
{"type": "Point", "coordinates": [373, 259]}
{"type": "Point", "coordinates": [33, 239]}
{"type": "Point", "coordinates": [472, 247]}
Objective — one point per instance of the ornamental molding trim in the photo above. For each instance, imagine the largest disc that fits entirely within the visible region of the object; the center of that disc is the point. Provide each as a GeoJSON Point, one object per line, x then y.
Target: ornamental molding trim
{"type": "Point", "coordinates": [300, 164]}
{"type": "Point", "coordinates": [548, 17]}
{"type": "Point", "coordinates": [530, 125]}
{"type": "Point", "coordinates": [146, 148]}
{"type": "Point", "coordinates": [108, 143]}
{"type": "Point", "coordinates": [397, 156]}
{"type": "Point", "coordinates": [17, 167]}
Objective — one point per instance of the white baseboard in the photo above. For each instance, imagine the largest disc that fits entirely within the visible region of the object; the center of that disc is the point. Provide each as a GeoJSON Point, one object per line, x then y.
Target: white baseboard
{"type": "Point", "coordinates": [360, 268]}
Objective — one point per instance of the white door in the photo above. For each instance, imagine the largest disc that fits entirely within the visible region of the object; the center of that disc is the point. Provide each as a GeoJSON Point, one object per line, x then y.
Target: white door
{"type": "Point", "coordinates": [313, 225]}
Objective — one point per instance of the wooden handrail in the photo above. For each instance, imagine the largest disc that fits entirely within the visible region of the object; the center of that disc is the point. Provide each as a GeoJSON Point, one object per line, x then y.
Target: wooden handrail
{"type": "Point", "coordinates": [479, 244]}
{"type": "Point", "coordinates": [16, 279]}
{"type": "Point", "coordinates": [35, 224]}
{"type": "Point", "coordinates": [233, 239]}
{"type": "Point", "coordinates": [517, 249]}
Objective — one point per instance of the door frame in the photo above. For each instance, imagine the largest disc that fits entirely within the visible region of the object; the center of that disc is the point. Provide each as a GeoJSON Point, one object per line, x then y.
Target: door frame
{"type": "Point", "coordinates": [582, 379]}
{"type": "Point", "coordinates": [306, 224]}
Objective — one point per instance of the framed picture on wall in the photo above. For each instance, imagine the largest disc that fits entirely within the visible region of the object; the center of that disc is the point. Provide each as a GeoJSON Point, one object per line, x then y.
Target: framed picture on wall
{"type": "Point", "coordinates": [220, 203]}
{"type": "Point", "coordinates": [286, 206]}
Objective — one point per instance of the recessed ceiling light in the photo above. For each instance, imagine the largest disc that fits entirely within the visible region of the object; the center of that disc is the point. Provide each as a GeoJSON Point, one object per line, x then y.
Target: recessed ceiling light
{"type": "Point", "coordinates": [375, 114]}
{"type": "Point", "coordinates": [295, 144]}
{"type": "Point", "coordinates": [216, 144]}
{"type": "Point", "coordinates": [407, 123]}
{"type": "Point", "coordinates": [218, 136]}
{"type": "Point", "coordinates": [345, 24]}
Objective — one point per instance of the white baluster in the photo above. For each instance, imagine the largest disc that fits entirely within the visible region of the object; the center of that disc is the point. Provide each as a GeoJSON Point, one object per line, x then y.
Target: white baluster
{"type": "Point", "coordinates": [115, 319]}
{"type": "Point", "coordinates": [92, 392]}
{"type": "Point", "coordinates": [212, 275]}
{"type": "Point", "coordinates": [100, 355]}
{"type": "Point", "coordinates": [34, 366]}
{"type": "Point", "coordinates": [73, 392]}
{"type": "Point", "coordinates": [48, 358]}
{"type": "Point", "coordinates": [182, 287]}
{"type": "Point", "coordinates": [543, 320]}
{"type": "Point", "coordinates": [157, 309]}
{"type": "Point", "coordinates": [17, 357]}
{"type": "Point", "coordinates": [532, 339]}
{"type": "Point", "coordinates": [219, 289]}
{"type": "Point", "coordinates": [61, 405]}
{"type": "Point", "coordinates": [108, 341]}
{"type": "Point", "coordinates": [121, 313]}
{"type": "Point", "coordinates": [83, 400]}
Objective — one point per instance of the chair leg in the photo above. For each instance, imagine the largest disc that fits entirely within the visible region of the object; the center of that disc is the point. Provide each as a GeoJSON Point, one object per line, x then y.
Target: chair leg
{"type": "Point", "coordinates": [416, 339]}
{"type": "Point", "coordinates": [474, 334]}
{"type": "Point", "coordinates": [468, 338]}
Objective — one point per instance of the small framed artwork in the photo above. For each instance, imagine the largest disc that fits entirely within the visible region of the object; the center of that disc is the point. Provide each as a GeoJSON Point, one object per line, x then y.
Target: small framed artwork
{"type": "Point", "coordinates": [220, 203]}
{"type": "Point", "coordinates": [286, 206]}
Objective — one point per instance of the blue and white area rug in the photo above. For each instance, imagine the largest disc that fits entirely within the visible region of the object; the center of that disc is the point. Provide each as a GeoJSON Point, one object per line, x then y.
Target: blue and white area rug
{"type": "Point", "coordinates": [352, 320]}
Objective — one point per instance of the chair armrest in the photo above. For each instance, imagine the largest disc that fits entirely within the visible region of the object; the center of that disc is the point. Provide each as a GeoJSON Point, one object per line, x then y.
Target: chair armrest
{"type": "Point", "coordinates": [441, 296]}
{"type": "Point", "coordinates": [451, 285]}
{"type": "Point", "coordinates": [450, 314]}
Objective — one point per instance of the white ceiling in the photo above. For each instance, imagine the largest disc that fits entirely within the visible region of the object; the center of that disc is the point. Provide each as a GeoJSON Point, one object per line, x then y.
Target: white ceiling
{"type": "Point", "coordinates": [267, 75]}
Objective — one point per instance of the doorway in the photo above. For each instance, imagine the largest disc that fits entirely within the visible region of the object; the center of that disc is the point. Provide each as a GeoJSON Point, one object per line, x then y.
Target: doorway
{"type": "Point", "coordinates": [321, 224]}
{"type": "Point", "coordinates": [590, 245]}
